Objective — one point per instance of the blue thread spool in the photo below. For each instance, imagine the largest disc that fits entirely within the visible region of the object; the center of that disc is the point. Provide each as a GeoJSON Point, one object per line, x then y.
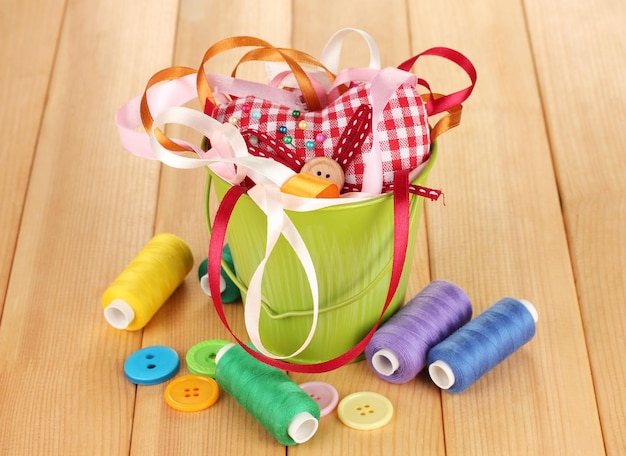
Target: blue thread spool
{"type": "Point", "coordinates": [268, 394]}
{"type": "Point", "coordinates": [480, 345]}
{"type": "Point", "coordinates": [398, 350]}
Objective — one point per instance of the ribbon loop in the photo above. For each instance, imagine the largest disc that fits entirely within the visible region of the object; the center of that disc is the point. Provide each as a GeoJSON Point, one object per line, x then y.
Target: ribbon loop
{"type": "Point", "coordinates": [264, 51]}
{"type": "Point", "coordinates": [448, 102]}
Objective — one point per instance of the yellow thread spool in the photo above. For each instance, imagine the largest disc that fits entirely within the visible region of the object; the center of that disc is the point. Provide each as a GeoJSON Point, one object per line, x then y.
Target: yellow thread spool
{"type": "Point", "coordinates": [146, 283]}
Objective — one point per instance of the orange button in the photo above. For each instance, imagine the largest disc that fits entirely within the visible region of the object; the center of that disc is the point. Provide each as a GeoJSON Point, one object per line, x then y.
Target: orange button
{"type": "Point", "coordinates": [192, 393]}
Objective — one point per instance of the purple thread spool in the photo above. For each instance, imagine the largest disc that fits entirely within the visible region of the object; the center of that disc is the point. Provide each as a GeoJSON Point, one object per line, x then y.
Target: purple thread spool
{"type": "Point", "coordinates": [398, 350]}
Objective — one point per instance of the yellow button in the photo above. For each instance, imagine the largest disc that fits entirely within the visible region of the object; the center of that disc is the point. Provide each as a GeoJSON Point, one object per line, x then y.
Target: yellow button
{"type": "Point", "coordinates": [192, 393]}
{"type": "Point", "coordinates": [365, 410]}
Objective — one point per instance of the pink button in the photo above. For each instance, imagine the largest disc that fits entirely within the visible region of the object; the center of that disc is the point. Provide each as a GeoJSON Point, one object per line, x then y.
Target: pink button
{"type": "Point", "coordinates": [324, 394]}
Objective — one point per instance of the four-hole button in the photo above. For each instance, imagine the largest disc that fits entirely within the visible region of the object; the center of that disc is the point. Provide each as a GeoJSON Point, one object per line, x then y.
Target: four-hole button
{"type": "Point", "coordinates": [365, 410]}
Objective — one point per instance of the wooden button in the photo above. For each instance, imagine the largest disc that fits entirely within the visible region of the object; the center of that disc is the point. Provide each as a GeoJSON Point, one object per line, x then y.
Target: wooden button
{"type": "Point", "coordinates": [326, 168]}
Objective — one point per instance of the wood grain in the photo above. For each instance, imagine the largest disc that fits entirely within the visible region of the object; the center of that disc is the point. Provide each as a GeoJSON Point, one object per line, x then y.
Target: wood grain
{"type": "Point", "coordinates": [535, 208]}
{"type": "Point", "coordinates": [510, 208]}
{"type": "Point", "coordinates": [27, 47]}
{"type": "Point", "coordinates": [88, 211]}
{"type": "Point", "coordinates": [582, 82]}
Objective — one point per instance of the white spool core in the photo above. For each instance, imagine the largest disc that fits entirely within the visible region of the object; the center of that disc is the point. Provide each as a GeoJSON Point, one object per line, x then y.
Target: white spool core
{"type": "Point", "coordinates": [303, 426]}
{"type": "Point", "coordinates": [385, 362]}
{"type": "Point", "coordinates": [441, 374]}
{"type": "Point", "coordinates": [531, 309]}
{"type": "Point", "coordinates": [119, 314]}
{"type": "Point", "coordinates": [204, 284]}
{"type": "Point", "coordinates": [221, 352]}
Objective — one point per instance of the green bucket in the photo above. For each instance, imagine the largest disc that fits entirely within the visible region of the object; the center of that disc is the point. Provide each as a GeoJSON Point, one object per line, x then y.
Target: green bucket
{"type": "Point", "coordinates": [351, 246]}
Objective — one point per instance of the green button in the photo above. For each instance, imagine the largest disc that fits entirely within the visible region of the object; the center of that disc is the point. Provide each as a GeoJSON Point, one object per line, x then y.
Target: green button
{"type": "Point", "coordinates": [201, 357]}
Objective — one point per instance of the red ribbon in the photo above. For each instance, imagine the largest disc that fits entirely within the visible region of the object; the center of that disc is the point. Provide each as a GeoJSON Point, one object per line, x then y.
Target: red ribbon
{"type": "Point", "coordinates": [445, 103]}
{"type": "Point", "coordinates": [401, 239]}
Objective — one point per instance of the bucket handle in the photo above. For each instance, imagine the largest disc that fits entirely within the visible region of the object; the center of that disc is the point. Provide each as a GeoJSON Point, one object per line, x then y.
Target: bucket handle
{"type": "Point", "coordinates": [401, 237]}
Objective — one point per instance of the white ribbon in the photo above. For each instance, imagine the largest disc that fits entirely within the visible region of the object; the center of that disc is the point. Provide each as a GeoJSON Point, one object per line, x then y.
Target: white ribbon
{"type": "Point", "coordinates": [331, 53]}
{"type": "Point", "coordinates": [230, 148]}
{"type": "Point", "coordinates": [268, 199]}
{"type": "Point", "coordinates": [269, 176]}
{"type": "Point", "coordinates": [330, 57]}
{"type": "Point", "coordinates": [179, 91]}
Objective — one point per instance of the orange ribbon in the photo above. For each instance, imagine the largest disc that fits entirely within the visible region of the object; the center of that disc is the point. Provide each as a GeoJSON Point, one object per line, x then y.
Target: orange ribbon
{"type": "Point", "coordinates": [265, 52]}
{"type": "Point", "coordinates": [310, 186]}
{"type": "Point", "coordinates": [448, 121]}
{"type": "Point", "coordinates": [168, 74]}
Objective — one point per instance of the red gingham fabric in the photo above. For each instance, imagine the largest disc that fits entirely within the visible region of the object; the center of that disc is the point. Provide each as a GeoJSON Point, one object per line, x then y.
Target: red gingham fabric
{"type": "Point", "coordinates": [403, 131]}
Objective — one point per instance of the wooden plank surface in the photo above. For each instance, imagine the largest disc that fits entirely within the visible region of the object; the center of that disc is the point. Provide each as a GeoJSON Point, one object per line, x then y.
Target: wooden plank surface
{"type": "Point", "coordinates": [88, 210]}
{"type": "Point", "coordinates": [535, 209]}
{"type": "Point", "coordinates": [582, 82]}
{"type": "Point", "coordinates": [505, 237]}
{"type": "Point", "coordinates": [28, 46]}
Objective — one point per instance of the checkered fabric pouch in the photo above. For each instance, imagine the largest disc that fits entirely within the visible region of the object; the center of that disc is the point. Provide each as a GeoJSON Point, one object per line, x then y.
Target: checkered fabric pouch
{"type": "Point", "coordinates": [381, 123]}
{"type": "Point", "coordinates": [342, 131]}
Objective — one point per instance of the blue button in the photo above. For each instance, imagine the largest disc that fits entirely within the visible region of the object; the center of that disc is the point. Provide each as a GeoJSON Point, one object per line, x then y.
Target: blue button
{"type": "Point", "coordinates": [152, 365]}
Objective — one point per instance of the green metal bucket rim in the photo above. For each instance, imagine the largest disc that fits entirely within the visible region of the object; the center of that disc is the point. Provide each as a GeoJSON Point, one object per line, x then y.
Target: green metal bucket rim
{"type": "Point", "coordinates": [266, 306]}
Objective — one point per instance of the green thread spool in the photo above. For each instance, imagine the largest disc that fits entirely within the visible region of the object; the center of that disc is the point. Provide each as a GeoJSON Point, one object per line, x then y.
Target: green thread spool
{"type": "Point", "coordinates": [268, 394]}
{"type": "Point", "coordinates": [229, 291]}
{"type": "Point", "coordinates": [146, 283]}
